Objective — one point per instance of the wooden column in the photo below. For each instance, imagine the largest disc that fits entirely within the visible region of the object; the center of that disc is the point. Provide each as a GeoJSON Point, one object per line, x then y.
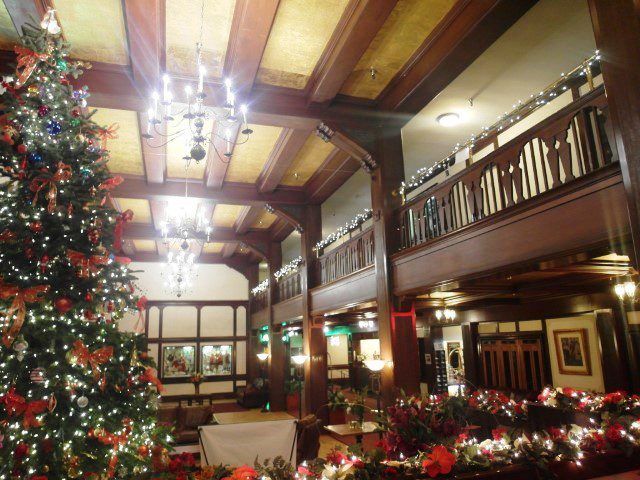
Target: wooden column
{"type": "Point", "coordinates": [253, 368]}
{"type": "Point", "coordinates": [470, 353]}
{"type": "Point", "coordinates": [398, 341]}
{"type": "Point", "coordinates": [315, 344]}
{"type": "Point", "coordinates": [616, 26]}
{"type": "Point", "coordinates": [616, 372]}
{"type": "Point", "coordinates": [276, 345]}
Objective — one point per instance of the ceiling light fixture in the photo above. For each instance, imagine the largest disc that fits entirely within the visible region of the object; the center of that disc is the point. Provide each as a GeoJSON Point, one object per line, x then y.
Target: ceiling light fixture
{"type": "Point", "coordinates": [449, 119]}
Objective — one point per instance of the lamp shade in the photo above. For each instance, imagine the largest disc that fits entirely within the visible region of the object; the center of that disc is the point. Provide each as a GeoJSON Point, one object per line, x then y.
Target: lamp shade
{"type": "Point", "coordinates": [375, 364]}
{"type": "Point", "coordinates": [299, 359]}
{"type": "Point", "coordinates": [262, 356]}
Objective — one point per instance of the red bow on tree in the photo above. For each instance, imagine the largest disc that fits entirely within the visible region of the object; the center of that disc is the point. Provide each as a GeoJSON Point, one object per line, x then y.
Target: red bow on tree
{"type": "Point", "coordinates": [18, 307]}
{"type": "Point", "coordinates": [84, 357]}
{"type": "Point", "coordinates": [141, 305]}
{"type": "Point", "coordinates": [108, 185]}
{"type": "Point", "coordinates": [16, 405]}
{"type": "Point", "coordinates": [107, 134]}
{"type": "Point", "coordinates": [121, 221]}
{"type": "Point", "coordinates": [86, 264]}
{"type": "Point", "coordinates": [149, 376]}
{"type": "Point", "coordinates": [107, 438]}
{"type": "Point", "coordinates": [27, 61]}
{"type": "Point", "coordinates": [62, 173]}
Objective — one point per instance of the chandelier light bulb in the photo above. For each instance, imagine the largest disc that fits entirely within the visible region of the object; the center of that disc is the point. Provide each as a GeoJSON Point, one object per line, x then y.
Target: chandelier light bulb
{"type": "Point", "coordinates": [630, 289]}
{"type": "Point", "coordinates": [619, 290]}
{"type": "Point", "coordinates": [438, 314]}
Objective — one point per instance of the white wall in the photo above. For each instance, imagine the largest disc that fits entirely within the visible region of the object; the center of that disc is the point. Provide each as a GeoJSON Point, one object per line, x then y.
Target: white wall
{"type": "Point", "coordinates": [350, 199]}
{"type": "Point", "coordinates": [291, 247]}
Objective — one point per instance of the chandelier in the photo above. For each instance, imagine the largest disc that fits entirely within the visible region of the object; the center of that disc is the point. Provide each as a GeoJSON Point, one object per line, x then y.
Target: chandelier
{"type": "Point", "coordinates": [190, 120]}
{"type": "Point", "coordinates": [181, 271]}
{"type": "Point", "coordinates": [179, 225]}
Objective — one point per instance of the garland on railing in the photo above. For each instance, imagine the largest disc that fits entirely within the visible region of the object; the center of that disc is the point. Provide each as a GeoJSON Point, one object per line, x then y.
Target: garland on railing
{"type": "Point", "coordinates": [261, 287]}
{"type": "Point", "coordinates": [347, 228]}
{"type": "Point", "coordinates": [506, 120]}
{"type": "Point", "coordinates": [289, 268]}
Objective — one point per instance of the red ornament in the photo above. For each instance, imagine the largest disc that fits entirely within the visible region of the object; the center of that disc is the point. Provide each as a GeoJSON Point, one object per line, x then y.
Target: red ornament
{"type": "Point", "coordinates": [143, 450]}
{"type": "Point", "coordinates": [94, 236]}
{"type": "Point", "coordinates": [22, 149]}
{"type": "Point", "coordinates": [35, 227]}
{"type": "Point", "coordinates": [75, 112]}
{"type": "Point", "coordinates": [63, 304]}
{"type": "Point", "coordinates": [28, 241]}
{"type": "Point", "coordinates": [6, 137]}
{"type": "Point", "coordinates": [88, 314]}
{"type": "Point", "coordinates": [110, 306]}
{"type": "Point", "coordinates": [44, 260]}
{"type": "Point", "coordinates": [43, 110]}
{"type": "Point", "coordinates": [88, 297]}
{"type": "Point", "coordinates": [28, 252]}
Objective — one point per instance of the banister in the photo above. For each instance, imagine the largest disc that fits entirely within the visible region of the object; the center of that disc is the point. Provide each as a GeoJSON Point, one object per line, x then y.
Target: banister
{"type": "Point", "coordinates": [353, 255]}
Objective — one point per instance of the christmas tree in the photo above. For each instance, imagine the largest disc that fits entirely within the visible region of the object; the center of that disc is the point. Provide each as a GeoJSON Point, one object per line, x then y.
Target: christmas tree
{"type": "Point", "coordinates": [77, 397]}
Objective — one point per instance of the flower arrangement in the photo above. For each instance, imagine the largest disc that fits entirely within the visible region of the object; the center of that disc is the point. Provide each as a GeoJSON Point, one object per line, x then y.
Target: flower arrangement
{"type": "Point", "coordinates": [196, 378]}
{"type": "Point", "coordinates": [356, 407]}
{"type": "Point", "coordinates": [496, 402]}
{"type": "Point", "coordinates": [616, 403]}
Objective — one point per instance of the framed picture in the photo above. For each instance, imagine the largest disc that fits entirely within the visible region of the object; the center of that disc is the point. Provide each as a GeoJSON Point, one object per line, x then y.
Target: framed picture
{"type": "Point", "coordinates": [178, 361]}
{"type": "Point", "coordinates": [572, 351]}
{"type": "Point", "coordinates": [216, 359]}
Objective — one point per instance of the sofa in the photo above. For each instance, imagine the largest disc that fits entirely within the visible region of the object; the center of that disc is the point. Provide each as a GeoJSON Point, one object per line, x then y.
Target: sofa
{"type": "Point", "coordinates": [186, 420]}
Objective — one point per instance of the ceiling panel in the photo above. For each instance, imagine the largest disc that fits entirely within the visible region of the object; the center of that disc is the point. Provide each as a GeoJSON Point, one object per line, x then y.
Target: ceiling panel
{"type": "Point", "coordinates": [178, 147]}
{"type": "Point", "coordinates": [140, 208]}
{"type": "Point", "coordinates": [8, 34]}
{"type": "Point", "coordinates": [298, 37]}
{"type": "Point", "coordinates": [226, 215]}
{"type": "Point", "coordinates": [249, 158]}
{"type": "Point", "coordinates": [95, 29]}
{"type": "Point", "coordinates": [264, 220]}
{"type": "Point", "coordinates": [308, 160]}
{"type": "Point", "coordinates": [183, 32]}
{"type": "Point", "coordinates": [214, 247]}
{"type": "Point", "coordinates": [145, 245]}
{"type": "Point", "coordinates": [125, 150]}
{"type": "Point", "coordinates": [408, 25]}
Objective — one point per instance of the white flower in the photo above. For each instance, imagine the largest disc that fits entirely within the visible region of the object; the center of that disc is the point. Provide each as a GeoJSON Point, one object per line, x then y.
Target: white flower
{"type": "Point", "coordinates": [331, 472]}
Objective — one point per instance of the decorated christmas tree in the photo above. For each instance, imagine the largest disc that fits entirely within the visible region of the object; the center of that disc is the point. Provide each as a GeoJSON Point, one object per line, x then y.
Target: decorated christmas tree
{"type": "Point", "coordinates": [77, 397]}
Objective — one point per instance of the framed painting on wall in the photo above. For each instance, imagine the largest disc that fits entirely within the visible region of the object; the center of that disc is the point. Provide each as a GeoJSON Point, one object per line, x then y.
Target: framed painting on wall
{"type": "Point", "coordinates": [572, 351]}
{"type": "Point", "coordinates": [178, 361]}
{"type": "Point", "coordinates": [216, 359]}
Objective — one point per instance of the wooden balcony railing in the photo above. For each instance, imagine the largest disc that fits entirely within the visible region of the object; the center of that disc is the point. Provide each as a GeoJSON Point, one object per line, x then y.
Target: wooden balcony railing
{"type": "Point", "coordinates": [259, 301]}
{"type": "Point", "coordinates": [353, 255]}
{"type": "Point", "coordinates": [289, 286]}
{"type": "Point", "coordinates": [569, 144]}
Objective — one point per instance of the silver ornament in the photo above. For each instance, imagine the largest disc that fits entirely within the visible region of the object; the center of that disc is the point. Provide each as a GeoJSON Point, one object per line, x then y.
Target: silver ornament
{"type": "Point", "coordinates": [82, 401]}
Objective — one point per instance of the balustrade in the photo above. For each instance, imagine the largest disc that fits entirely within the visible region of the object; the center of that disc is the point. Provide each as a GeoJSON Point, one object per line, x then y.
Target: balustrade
{"type": "Point", "coordinates": [259, 301]}
{"type": "Point", "coordinates": [353, 255]}
{"type": "Point", "coordinates": [569, 144]}
{"type": "Point", "coordinates": [289, 286]}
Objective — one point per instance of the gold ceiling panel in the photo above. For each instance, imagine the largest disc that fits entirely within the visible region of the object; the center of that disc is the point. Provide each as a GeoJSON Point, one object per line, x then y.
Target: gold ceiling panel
{"type": "Point", "coordinates": [312, 154]}
{"type": "Point", "coordinates": [264, 220]}
{"type": "Point", "coordinates": [215, 247]}
{"type": "Point", "coordinates": [226, 215]}
{"type": "Point", "coordinates": [298, 37]}
{"type": "Point", "coordinates": [145, 245]}
{"type": "Point", "coordinates": [183, 32]}
{"type": "Point", "coordinates": [95, 29]}
{"type": "Point", "coordinates": [249, 158]}
{"type": "Point", "coordinates": [125, 150]}
{"type": "Point", "coordinates": [178, 148]}
{"type": "Point", "coordinates": [8, 34]}
{"type": "Point", "coordinates": [408, 25]}
{"type": "Point", "coordinates": [140, 208]}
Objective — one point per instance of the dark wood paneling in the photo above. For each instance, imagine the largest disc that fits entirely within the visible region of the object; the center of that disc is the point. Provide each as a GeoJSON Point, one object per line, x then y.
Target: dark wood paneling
{"type": "Point", "coordinates": [354, 289]}
{"type": "Point", "coordinates": [289, 310]}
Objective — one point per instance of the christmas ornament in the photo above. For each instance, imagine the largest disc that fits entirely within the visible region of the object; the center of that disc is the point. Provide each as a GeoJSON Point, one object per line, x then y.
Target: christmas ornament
{"type": "Point", "coordinates": [32, 89]}
{"type": "Point", "coordinates": [43, 110]}
{"type": "Point", "coordinates": [76, 112]}
{"type": "Point", "coordinates": [88, 314]}
{"type": "Point", "coordinates": [74, 122]}
{"type": "Point", "coordinates": [20, 346]}
{"type": "Point", "coordinates": [34, 158]}
{"type": "Point", "coordinates": [49, 22]}
{"type": "Point", "coordinates": [62, 65]}
{"type": "Point", "coordinates": [82, 401]}
{"type": "Point", "coordinates": [63, 305]}
{"type": "Point", "coordinates": [22, 149]}
{"type": "Point", "coordinates": [35, 227]}
{"type": "Point", "coordinates": [53, 127]}
{"type": "Point", "coordinates": [85, 172]}
{"type": "Point", "coordinates": [110, 306]}
{"type": "Point", "coordinates": [38, 375]}
{"type": "Point", "coordinates": [94, 235]}
{"type": "Point", "coordinates": [88, 297]}
{"type": "Point", "coordinates": [44, 261]}
{"type": "Point", "coordinates": [28, 252]}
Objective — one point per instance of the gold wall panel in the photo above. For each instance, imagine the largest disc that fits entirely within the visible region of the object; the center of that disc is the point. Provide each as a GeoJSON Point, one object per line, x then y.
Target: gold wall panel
{"type": "Point", "coordinates": [225, 215]}
{"type": "Point", "coordinates": [183, 32]}
{"type": "Point", "coordinates": [125, 150]}
{"type": "Point", "coordinates": [264, 220]}
{"type": "Point", "coordinates": [140, 208]}
{"type": "Point", "coordinates": [95, 29]}
{"type": "Point", "coordinates": [298, 37]}
{"type": "Point", "coordinates": [312, 154]}
{"type": "Point", "coordinates": [249, 158]}
{"type": "Point", "coordinates": [178, 148]}
{"type": "Point", "coordinates": [145, 245]}
{"type": "Point", "coordinates": [8, 34]}
{"type": "Point", "coordinates": [408, 25]}
{"type": "Point", "coordinates": [215, 247]}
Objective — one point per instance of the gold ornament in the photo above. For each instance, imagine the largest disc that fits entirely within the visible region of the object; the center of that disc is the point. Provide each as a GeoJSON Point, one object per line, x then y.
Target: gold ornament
{"type": "Point", "coordinates": [33, 89]}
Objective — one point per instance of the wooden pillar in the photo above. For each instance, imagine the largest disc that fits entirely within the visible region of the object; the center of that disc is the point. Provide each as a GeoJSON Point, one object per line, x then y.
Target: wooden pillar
{"type": "Point", "coordinates": [398, 340]}
{"type": "Point", "coordinates": [616, 372]}
{"type": "Point", "coordinates": [470, 353]}
{"type": "Point", "coordinates": [616, 26]}
{"type": "Point", "coordinates": [253, 369]}
{"type": "Point", "coordinates": [315, 344]}
{"type": "Point", "coordinates": [276, 345]}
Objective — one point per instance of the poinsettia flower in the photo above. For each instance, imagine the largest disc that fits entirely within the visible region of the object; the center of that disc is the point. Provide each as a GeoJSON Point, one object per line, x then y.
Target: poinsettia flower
{"type": "Point", "coordinates": [498, 433]}
{"type": "Point", "coordinates": [340, 472]}
{"type": "Point", "coordinates": [439, 461]}
{"type": "Point", "coordinates": [243, 473]}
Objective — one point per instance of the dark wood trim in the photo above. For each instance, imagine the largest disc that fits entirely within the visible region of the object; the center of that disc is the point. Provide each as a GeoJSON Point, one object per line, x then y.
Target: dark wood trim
{"type": "Point", "coordinates": [218, 234]}
{"type": "Point", "coordinates": [246, 219]}
{"type": "Point", "coordinates": [25, 11]}
{"type": "Point", "coordinates": [217, 161]}
{"type": "Point", "coordinates": [281, 157]}
{"type": "Point", "coordinates": [334, 172]}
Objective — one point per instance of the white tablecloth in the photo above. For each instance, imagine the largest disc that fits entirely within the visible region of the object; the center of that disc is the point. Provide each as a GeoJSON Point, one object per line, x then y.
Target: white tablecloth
{"type": "Point", "coordinates": [239, 443]}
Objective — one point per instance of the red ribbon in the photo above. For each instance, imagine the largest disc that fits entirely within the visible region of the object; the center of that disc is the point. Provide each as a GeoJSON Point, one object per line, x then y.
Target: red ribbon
{"type": "Point", "coordinates": [16, 405]}
{"type": "Point", "coordinates": [18, 306]}
{"type": "Point", "coordinates": [7, 236]}
{"type": "Point", "coordinates": [121, 221]}
{"type": "Point", "coordinates": [108, 185]}
{"type": "Point", "coordinates": [27, 61]}
{"type": "Point", "coordinates": [141, 305]}
{"type": "Point", "coordinates": [84, 357]}
{"type": "Point", "coordinates": [86, 264]}
{"type": "Point", "coordinates": [107, 438]}
{"type": "Point", "coordinates": [62, 173]}
{"type": "Point", "coordinates": [107, 134]}
{"type": "Point", "coordinates": [149, 376]}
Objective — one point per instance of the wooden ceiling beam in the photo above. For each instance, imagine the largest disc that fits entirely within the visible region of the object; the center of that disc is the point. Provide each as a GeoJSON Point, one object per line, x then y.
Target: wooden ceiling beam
{"type": "Point", "coordinates": [250, 28]}
{"type": "Point", "coordinates": [360, 23]}
{"type": "Point", "coordinates": [141, 231]}
{"type": "Point", "coordinates": [336, 170]}
{"type": "Point", "coordinates": [25, 11]}
{"type": "Point", "coordinates": [281, 157]}
{"type": "Point", "coordinates": [217, 161]}
{"type": "Point", "coordinates": [154, 153]}
{"type": "Point", "coordinates": [158, 212]}
{"type": "Point", "coordinates": [339, 140]}
{"type": "Point", "coordinates": [230, 193]}
{"type": "Point", "coordinates": [280, 230]}
{"type": "Point", "coordinates": [236, 261]}
{"type": "Point", "coordinates": [246, 219]}
{"type": "Point", "coordinates": [229, 249]}
{"type": "Point", "coordinates": [461, 37]}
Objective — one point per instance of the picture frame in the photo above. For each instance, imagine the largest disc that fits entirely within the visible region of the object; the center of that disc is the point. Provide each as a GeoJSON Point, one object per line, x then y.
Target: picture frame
{"type": "Point", "coordinates": [572, 351]}
{"type": "Point", "coordinates": [216, 359]}
{"type": "Point", "coordinates": [178, 361]}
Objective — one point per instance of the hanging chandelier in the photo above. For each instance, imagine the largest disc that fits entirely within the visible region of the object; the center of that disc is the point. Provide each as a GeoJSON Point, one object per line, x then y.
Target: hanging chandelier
{"type": "Point", "coordinates": [228, 119]}
{"type": "Point", "coordinates": [180, 271]}
{"type": "Point", "coordinates": [180, 226]}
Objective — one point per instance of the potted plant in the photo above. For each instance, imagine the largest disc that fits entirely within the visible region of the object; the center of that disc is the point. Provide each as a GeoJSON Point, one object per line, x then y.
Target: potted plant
{"type": "Point", "coordinates": [292, 389]}
{"type": "Point", "coordinates": [197, 379]}
{"type": "Point", "coordinates": [337, 404]}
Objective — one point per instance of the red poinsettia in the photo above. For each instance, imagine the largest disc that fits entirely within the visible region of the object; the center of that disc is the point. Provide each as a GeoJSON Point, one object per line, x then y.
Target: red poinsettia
{"type": "Point", "coordinates": [615, 433]}
{"type": "Point", "coordinates": [613, 398]}
{"type": "Point", "coordinates": [243, 473]}
{"type": "Point", "coordinates": [498, 433]}
{"type": "Point", "coordinates": [439, 461]}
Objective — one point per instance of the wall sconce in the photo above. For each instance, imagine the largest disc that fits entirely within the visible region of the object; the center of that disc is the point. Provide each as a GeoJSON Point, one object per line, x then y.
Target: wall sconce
{"type": "Point", "coordinates": [299, 359]}
{"type": "Point", "coordinates": [262, 356]}
{"type": "Point", "coordinates": [625, 290]}
{"type": "Point", "coordinates": [447, 314]}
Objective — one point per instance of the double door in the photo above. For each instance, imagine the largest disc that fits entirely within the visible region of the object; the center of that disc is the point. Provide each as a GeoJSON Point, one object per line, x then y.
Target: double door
{"type": "Point", "coordinates": [512, 363]}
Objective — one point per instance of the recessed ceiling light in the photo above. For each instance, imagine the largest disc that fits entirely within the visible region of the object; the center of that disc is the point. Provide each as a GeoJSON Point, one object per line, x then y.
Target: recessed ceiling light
{"type": "Point", "coordinates": [448, 119]}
